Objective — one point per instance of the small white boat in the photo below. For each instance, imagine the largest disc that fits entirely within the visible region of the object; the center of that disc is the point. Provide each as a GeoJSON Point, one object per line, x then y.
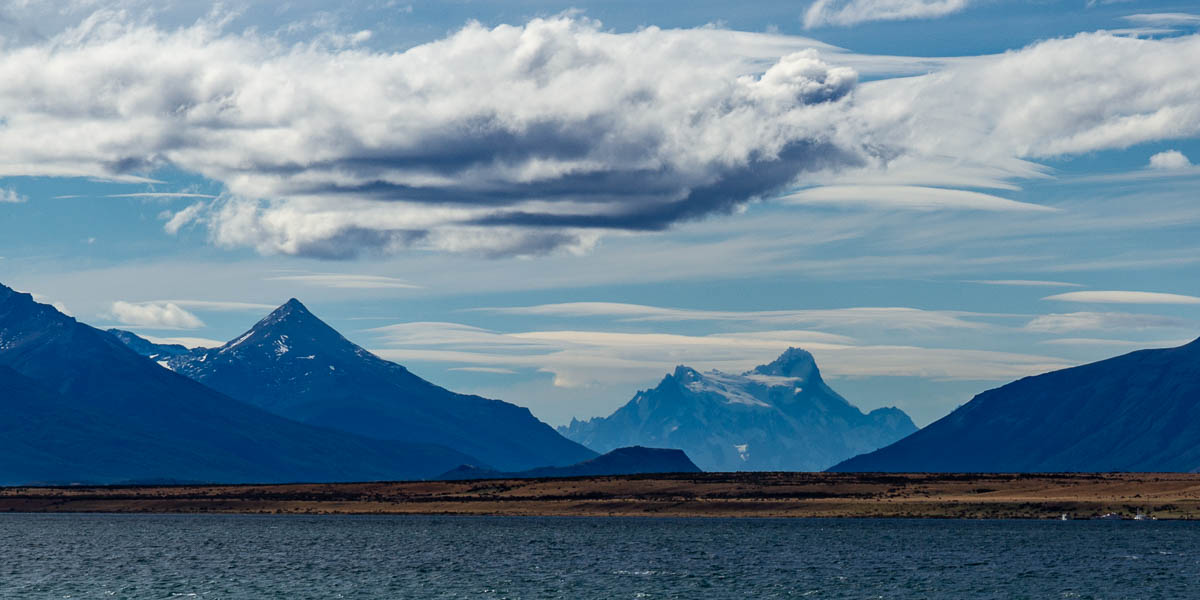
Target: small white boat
{"type": "Point", "coordinates": [1109, 517]}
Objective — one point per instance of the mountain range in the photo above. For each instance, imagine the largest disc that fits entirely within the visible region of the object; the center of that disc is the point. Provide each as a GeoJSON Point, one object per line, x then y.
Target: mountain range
{"type": "Point", "coordinates": [1137, 412]}
{"type": "Point", "coordinates": [294, 365]}
{"type": "Point", "coordinates": [81, 407]}
{"type": "Point", "coordinates": [780, 416]}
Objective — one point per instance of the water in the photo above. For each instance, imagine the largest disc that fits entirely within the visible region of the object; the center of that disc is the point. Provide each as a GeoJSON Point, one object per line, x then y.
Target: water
{"type": "Point", "coordinates": [295, 557]}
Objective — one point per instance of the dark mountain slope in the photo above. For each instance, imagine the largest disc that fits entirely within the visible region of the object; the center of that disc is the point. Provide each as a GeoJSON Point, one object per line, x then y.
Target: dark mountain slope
{"type": "Point", "coordinates": [130, 419]}
{"type": "Point", "coordinates": [1137, 412]}
{"type": "Point", "coordinates": [622, 461]}
{"type": "Point", "coordinates": [293, 364]}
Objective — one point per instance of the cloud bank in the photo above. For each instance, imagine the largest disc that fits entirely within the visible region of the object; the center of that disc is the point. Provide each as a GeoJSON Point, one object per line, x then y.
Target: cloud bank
{"type": "Point", "coordinates": [522, 140]}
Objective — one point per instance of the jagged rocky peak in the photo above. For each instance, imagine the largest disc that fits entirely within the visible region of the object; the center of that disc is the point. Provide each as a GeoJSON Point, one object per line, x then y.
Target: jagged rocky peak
{"type": "Point", "coordinates": [685, 374]}
{"type": "Point", "coordinates": [794, 362]}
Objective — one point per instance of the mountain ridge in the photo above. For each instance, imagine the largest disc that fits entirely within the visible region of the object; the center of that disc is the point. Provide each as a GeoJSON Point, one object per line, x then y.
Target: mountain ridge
{"type": "Point", "coordinates": [1134, 412]}
{"type": "Point", "coordinates": [778, 416]}
{"type": "Point", "coordinates": [293, 364]}
{"type": "Point", "coordinates": [633, 460]}
{"type": "Point", "coordinates": [157, 424]}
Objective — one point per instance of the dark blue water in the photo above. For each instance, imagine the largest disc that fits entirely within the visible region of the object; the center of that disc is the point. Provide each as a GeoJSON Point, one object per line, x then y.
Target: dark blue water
{"type": "Point", "coordinates": [253, 557]}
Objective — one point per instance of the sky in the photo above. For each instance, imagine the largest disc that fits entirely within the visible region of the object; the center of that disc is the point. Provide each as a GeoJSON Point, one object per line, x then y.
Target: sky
{"type": "Point", "coordinates": [556, 203]}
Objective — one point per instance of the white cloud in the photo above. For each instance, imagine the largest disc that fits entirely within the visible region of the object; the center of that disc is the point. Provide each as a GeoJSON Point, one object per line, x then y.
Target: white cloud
{"type": "Point", "coordinates": [510, 140]}
{"type": "Point", "coordinates": [890, 318]}
{"type": "Point", "coordinates": [1171, 159]}
{"type": "Point", "coordinates": [1092, 91]}
{"type": "Point", "coordinates": [347, 281]}
{"type": "Point", "coordinates": [852, 12]}
{"type": "Point", "coordinates": [1124, 297]}
{"type": "Point", "coordinates": [154, 315]}
{"type": "Point", "coordinates": [10, 196]}
{"type": "Point", "coordinates": [178, 220]}
{"type": "Point", "coordinates": [904, 197]}
{"type": "Point", "coordinates": [1099, 321]}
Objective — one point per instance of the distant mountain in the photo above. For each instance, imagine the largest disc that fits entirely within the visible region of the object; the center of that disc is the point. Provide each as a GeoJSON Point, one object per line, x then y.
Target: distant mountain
{"type": "Point", "coordinates": [79, 406]}
{"type": "Point", "coordinates": [292, 364]}
{"type": "Point", "coordinates": [156, 352]}
{"type": "Point", "coordinates": [1137, 412]}
{"type": "Point", "coordinates": [777, 417]}
{"type": "Point", "coordinates": [622, 461]}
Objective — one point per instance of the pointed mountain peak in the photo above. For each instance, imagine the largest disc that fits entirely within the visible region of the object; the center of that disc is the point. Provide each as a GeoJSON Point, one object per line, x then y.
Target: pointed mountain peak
{"type": "Point", "coordinates": [291, 330]}
{"type": "Point", "coordinates": [290, 314]}
{"type": "Point", "coordinates": [794, 362]}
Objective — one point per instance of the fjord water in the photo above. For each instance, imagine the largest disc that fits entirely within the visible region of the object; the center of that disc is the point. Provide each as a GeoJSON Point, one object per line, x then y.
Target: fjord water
{"type": "Point", "coordinates": [299, 557]}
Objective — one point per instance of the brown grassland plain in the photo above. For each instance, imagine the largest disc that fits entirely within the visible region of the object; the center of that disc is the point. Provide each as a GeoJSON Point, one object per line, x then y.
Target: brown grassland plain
{"type": "Point", "coordinates": [977, 496]}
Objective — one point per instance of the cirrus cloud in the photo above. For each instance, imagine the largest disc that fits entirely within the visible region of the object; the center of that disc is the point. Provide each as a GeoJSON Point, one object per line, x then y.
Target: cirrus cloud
{"type": "Point", "coordinates": [1104, 321]}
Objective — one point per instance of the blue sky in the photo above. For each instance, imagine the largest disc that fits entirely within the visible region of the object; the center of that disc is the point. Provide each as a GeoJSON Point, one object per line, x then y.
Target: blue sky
{"type": "Point", "coordinates": [554, 204]}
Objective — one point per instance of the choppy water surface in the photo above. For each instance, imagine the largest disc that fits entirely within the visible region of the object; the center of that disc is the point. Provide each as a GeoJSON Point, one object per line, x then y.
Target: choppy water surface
{"type": "Point", "coordinates": [251, 557]}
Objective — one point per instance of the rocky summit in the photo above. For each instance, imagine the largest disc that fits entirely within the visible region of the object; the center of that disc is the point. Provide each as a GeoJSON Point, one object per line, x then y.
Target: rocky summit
{"type": "Point", "coordinates": [781, 416]}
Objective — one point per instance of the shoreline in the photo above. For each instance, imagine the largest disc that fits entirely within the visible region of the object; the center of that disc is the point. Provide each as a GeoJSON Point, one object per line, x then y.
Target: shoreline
{"type": "Point", "coordinates": [796, 495]}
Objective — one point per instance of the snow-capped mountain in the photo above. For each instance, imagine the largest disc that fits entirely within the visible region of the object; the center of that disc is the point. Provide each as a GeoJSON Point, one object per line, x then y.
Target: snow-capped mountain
{"type": "Point", "coordinates": [780, 416]}
{"type": "Point", "coordinates": [1136, 412]}
{"type": "Point", "coordinates": [293, 364]}
{"type": "Point", "coordinates": [76, 405]}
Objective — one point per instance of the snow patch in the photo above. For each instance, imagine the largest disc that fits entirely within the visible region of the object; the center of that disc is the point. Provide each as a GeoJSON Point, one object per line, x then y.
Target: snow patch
{"type": "Point", "coordinates": [729, 387]}
{"type": "Point", "coordinates": [164, 364]}
{"type": "Point", "coordinates": [772, 380]}
{"type": "Point", "coordinates": [238, 341]}
{"type": "Point", "coordinates": [281, 346]}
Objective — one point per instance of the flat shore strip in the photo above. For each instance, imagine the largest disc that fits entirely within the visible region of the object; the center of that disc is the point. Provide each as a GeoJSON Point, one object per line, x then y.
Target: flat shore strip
{"type": "Point", "coordinates": [976, 496]}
